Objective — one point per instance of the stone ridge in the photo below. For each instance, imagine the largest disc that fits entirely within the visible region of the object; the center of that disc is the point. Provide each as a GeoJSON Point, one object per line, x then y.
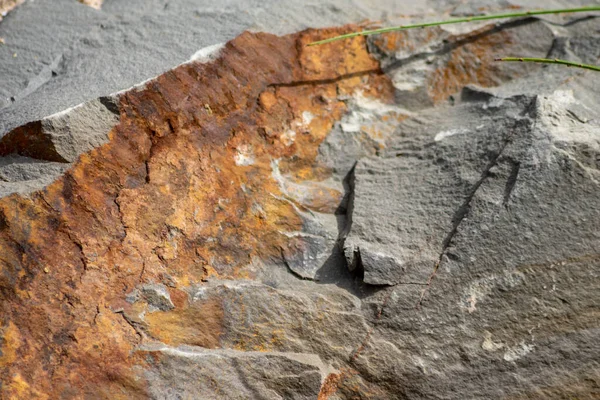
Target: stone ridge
{"type": "Point", "coordinates": [181, 191]}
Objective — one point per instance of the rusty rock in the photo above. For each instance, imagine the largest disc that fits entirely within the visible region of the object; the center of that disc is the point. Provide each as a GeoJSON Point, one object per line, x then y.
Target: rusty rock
{"type": "Point", "coordinates": [184, 187]}
{"type": "Point", "coordinates": [387, 218]}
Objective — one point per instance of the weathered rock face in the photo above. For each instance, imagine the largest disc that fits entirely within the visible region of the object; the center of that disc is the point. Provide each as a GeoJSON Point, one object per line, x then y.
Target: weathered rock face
{"type": "Point", "coordinates": [196, 181]}
{"type": "Point", "coordinates": [359, 220]}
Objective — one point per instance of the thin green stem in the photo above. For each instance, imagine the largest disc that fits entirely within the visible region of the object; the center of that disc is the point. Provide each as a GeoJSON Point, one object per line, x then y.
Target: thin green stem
{"type": "Point", "coordinates": [456, 21]}
{"type": "Point", "coordinates": [550, 61]}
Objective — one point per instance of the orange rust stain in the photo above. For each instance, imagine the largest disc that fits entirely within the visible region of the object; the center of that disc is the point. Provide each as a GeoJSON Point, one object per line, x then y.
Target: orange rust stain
{"type": "Point", "coordinates": [349, 384]}
{"type": "Point", "coordinates": [340, 60]}
{"type": "Point", "coordinates": [184, 189]}
{"type": "Point", "coordinates": [10, 342]}
{"type": "Point", "coordinates": [472, 63]}
{"type": "Point", "coordinates": [259, 339]}
{"type": "Point", "coordinates": [18, 388]}
{"type": "Point", "coordinates": [179, 298]}
{"type": "Point", "coordinates": [468, 63]}
{"type": "Point", "coordinates": [198, 325]}
{"type": "Point", "coordinates": [408, 41]}
{"type": "Point", "coordinates": [469, 59]}
{"type": "Point", "coordinates": [329, 386]}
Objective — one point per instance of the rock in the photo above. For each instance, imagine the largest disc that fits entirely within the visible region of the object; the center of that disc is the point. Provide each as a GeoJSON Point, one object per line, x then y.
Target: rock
{"type": "Point", "coordinates": [304, 255]}
{"type": "Point", "coordinates": [196, 373]}
{"type": "Point", "coordinates": [136, 209]}
{"type": "Point", "coordinates": [397, 217]}
{"type": "Point", "coordinates": [64, 136]}
{"type": "Point", "coordinates": [497, 251]}
{"type": "Point", "coordinates": [98, 52]}
{"type": "Point", "coordinates": [157, 296]}
{"type": "Point", "coordinates": [429, 173]}
{"type": "Point", "coordinates": [24, 175]}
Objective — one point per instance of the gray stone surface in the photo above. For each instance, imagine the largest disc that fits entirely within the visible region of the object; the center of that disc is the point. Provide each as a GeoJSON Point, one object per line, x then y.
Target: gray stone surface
{"type": "Point", "coordinates": [23, 175]}
{"type": "Point", "coordinates": [500, 194]}
{"type": "Point", "coordinates": [157, 296]}
{"type": "Point", "coordinates": [509, 207]}
{"type": "Point", "coordinates": [81, 129]}
{"type": "Point", "coordinates": [54, 142]}
{"type": "Point", "coordinates": [194, 373]}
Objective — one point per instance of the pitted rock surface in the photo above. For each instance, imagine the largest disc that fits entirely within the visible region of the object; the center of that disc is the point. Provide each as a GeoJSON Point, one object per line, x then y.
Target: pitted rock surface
{"type": "Point", "coordinates": [391, 218]}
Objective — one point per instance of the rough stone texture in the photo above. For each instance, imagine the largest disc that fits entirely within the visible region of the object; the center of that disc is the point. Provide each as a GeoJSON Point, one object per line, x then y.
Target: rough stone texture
{"type": "Point", "coordinates": [168, 199]}
{"type": "Point", "coordinates": [64, 136]}
{"type": "Point", "coordinates": [233, 375]}
{"type": "Point", "coordinates": [384, 219]}
{"type": "Point", "coordinates": [68, 53]}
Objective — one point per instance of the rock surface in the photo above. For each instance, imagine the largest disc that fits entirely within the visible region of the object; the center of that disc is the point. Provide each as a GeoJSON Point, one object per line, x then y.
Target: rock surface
{"type": "Point", "coordinates": [391, 218]}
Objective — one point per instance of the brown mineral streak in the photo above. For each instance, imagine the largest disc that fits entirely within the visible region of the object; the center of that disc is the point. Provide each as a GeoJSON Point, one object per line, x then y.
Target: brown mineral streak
{"type": "Point", "coordinates": [164, 201]}
{"type": "Point", "coordinates": [464, 59]}
{"type": "Point", "coordinates": [329, 386]}
{"type": "Point", "coordinates": [198, 325]}
{"type": "Point", "coordinates": [472, 63]}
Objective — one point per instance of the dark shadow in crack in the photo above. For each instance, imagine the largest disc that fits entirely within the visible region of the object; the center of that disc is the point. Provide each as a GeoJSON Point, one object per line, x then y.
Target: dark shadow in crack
{"type": "Point", "coordinates": [339, 78]}
{"type": "Point", "coordinates": [448, 47]}
{"type": "Point", "coordinates": [335, 270]}
{"type": "Point", "coordinates": [574, 21]}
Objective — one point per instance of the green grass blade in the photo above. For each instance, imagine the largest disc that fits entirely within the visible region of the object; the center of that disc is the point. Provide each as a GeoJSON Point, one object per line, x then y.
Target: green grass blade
{"type": "Point", "coordinates": [456, 21]}
{"type": "Point", "coordinates": [550, 61]}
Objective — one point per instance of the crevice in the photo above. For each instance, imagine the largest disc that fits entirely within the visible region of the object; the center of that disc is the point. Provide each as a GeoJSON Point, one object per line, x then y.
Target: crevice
{"type": "Point", "coordinates": [96, 315]}
{"type": "Point", "coordinates": [511, 182]}
{"type": "Point", "coordinates": [337, 268]}
{"type": "Point", "coordinates": [154, 137]}
{"type": "Point", "coordinates": [79, 246]}
{"type": "Point", "coordinates": [464, 209]}
{"type": "Point", "coordinates": [170, 125]}
{"type": "Point", "coordinates": [147, 165]}
{"type": "Point", "coordinates": [121, 220]}
{"type": "Point", "coordinates": [142, 271]}
{"type": "Point", "coordinates": [316, 82]}
{"type": "Point", "coordinates": [346, 206]}
{"type": "Point", "coordinates": [110, 103]}
{"type": "Point", "coordinates": [66, 230]}
{"type": "Point", "coordinates": [574, 21]}
{"type": "Point", "coordinates": [357, 267]}
{"type": "Point", "coordinates": [457, 43]}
